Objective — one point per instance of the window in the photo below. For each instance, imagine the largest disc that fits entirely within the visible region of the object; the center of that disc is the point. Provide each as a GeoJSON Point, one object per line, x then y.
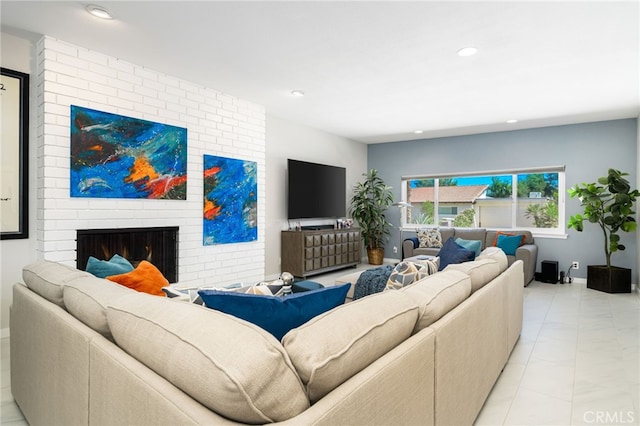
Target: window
{"type": "Point", "coordinates": [524, 199]}
{"type": "Point", "coordinates": [447, 210]}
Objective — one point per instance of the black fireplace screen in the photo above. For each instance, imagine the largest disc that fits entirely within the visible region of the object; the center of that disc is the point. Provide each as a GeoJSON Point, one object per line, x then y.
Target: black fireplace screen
{"type": "Point", "coordinates": [156, 245]}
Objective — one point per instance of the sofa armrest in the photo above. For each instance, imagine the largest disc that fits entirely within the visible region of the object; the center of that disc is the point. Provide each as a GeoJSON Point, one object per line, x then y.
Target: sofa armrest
{"type": "Point", "coordinates": [528, 253]}
{"type": "Point", "coordinates": [407, 247]}
{"type": "Point", "coordinates": [49, 356]}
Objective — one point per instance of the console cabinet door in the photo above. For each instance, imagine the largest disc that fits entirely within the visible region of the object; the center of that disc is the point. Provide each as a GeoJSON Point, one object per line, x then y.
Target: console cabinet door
{"type": "Point", "coordinates": [310, 252]}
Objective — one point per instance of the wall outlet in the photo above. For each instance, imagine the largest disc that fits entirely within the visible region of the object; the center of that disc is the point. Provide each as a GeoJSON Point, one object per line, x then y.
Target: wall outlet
{"type": "Point", "coordinates": [395, 249]}
{"type": "Point", "coordinates": [575, 265]}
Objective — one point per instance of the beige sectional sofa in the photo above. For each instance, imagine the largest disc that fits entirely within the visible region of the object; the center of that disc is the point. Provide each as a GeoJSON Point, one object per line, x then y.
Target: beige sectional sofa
{"type": "Point", "coordinates": [527, 252]}
{"type": "Point", "coordinates": [86, 351]}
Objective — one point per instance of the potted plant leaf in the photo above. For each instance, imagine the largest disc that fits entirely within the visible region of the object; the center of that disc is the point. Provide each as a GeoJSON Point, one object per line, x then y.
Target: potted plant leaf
{"type": "Point", "coordinates": [610, 204]}
{"type": "Point", "coordinates": [370, 200]}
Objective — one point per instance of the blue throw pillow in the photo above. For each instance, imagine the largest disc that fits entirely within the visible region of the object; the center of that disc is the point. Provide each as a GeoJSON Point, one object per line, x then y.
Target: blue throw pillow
{"type": "Point", "coordinates": [475, 245]}
{"type": "Point", "coordinates": [117, 265]}
{"type": "Point", "coordinates": [451, 252]}
{"type": "Point", "coordinates": [509, 244]}
{"type": "Point", "coordinates": [276, 314]}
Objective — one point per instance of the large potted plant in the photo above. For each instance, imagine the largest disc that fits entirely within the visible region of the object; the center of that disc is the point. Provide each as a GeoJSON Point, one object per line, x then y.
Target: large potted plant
{"type": "Point", "coordinates": [370, 200]}
{"type": "Point", "coordinates": [610, 204]}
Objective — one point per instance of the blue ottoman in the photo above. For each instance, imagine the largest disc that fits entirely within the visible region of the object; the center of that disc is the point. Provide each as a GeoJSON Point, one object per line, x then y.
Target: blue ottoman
{"type": "Point", "coordinates": [306, 285]}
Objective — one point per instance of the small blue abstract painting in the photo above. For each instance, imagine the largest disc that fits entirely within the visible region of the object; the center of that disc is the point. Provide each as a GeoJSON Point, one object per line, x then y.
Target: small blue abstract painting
{"type": "Point", "coordinates": [230, 201]}
{"type": "Point", "coordinates": [113, 156]}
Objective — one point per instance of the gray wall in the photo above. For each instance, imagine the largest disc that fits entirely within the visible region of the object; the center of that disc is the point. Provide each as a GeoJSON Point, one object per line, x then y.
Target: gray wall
{"type": "Point", "coordinates": [587, 151]}
{"type": "Point", "coordinates": [286, 139]}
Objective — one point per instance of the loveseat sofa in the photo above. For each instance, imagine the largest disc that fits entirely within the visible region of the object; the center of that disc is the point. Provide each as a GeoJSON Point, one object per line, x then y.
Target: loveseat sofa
{"type": "Point", "coordinates": [85, 350]}
{"type": "Point", "coordinates": [527, 251]}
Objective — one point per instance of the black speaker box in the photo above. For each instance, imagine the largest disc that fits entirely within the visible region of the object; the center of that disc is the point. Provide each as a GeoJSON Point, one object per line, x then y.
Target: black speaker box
{"type": "Point", "coordinates": [549, 272]}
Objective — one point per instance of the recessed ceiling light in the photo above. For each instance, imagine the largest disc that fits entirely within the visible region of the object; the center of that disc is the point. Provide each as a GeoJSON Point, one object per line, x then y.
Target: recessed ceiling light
{"type": "Point", "coordinates": [417, 132]}
{"type": "Point", "coordinates": [99, 12]}
{"type": "Point", "coordinates": [298, 93]}
{"type": "Point", "coordinates": [512, 121]}
{"type": "Point", "coordinates": [467, 51]}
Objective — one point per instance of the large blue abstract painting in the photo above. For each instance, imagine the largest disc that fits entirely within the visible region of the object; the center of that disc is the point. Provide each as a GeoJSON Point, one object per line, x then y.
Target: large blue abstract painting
{"type": "Point", "coordinates": [230, 201]}
{"type": "Point", "coordinates": [113, 156]}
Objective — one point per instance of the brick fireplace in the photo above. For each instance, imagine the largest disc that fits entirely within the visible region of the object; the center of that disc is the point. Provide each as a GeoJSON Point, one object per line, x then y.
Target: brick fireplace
{"type": "Point", "coordinates": [217, 124]}
{"type": "Point", "coordinates": [158, 245]}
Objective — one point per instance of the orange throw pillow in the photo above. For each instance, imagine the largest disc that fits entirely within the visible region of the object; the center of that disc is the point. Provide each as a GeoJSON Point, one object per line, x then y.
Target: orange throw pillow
{"type": "Point", "coordinates": [145, 278]}
{"type": "Point", "coordinates": [495, 240]}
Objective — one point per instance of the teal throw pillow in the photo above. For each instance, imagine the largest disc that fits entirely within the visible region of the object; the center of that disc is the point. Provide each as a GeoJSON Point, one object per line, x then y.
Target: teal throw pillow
{"type": "Point", "coordinates": [451, 253]}
{"type": "Point", "coordinates": [509, 243]}
{"type": "Point", "coordinates": [103, 268]}
{"type": "Point", "coordinates": [276, 314]}
{"type": "Point", "coordinates": [474, 245]}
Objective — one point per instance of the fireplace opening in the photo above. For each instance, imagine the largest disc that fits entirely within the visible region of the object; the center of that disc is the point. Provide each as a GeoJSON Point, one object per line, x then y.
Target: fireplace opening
{"type": "Point", "coordinates": [157, 245]}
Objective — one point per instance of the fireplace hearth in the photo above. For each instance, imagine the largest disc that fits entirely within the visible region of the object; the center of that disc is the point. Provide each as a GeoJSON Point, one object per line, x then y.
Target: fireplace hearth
{"type": "Point", "coordinates": [158, 245]}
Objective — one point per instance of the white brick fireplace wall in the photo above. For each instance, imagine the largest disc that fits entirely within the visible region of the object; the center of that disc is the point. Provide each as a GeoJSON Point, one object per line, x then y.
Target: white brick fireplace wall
{"type": "Point", "coordinates": [217, 124]}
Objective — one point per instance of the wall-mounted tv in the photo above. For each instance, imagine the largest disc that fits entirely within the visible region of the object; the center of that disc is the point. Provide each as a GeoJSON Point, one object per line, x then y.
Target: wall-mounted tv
{"type": "Point", "coordinates": [316, 191]}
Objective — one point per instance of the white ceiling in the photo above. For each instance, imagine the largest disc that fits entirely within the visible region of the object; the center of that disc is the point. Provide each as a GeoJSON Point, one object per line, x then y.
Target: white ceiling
{"type": "Point", "coordinates": [376, 71]}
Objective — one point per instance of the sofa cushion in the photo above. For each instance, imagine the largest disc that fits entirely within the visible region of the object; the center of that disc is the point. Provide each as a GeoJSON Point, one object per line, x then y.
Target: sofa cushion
{"type": "Point", "coordinates": [145, 278]}
{"type": "Point", "coordinates": [481, 271]}
{"type": "Point", "coordinates": [474, 245]}
{"type": "Point", "coordinates": [447, 233]}
{"type": "Point", "coordinates": [48, 278]}
{"type": "Point", "coordinates": [471, 233]}
{"type": "Point", "coordinates": [114, 266]}
{"type": "Point", "coordinates": [333, 347]}
{"type": "Point", "coordinates": [451, 252]}
{"type": "Point", "coordinates": [430, 238]}
{"type": "Point", "coordinates": [229, 365]}
{"type": "Point", "coordinates": [407, 272]}
{"type": "Point", "coordinates": [87, 298]}
{"type": "Point", "coordinates": [438, 294]}
{"type": "Point", "coordinates": [276, 314]}
{"type": "Point", "coordinates": [496, 254]}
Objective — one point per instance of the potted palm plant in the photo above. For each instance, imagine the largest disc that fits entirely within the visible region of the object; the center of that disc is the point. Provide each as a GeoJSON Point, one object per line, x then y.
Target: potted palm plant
{"type": "Point", "coordinates": [370, 200]}
{"type": "Point", "coordinates": [608, 203]}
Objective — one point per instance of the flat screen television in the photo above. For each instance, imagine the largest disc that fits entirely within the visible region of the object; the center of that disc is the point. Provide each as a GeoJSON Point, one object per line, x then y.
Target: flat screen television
{"type": "Point", "coordinates": [316, 191]}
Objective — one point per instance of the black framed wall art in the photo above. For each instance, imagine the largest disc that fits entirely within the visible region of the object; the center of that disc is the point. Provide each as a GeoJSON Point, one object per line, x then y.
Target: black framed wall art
{"type": "Point", "coordinates": [14, 144]}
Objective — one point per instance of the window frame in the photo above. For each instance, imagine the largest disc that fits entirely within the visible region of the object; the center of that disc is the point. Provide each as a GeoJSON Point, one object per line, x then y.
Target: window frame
{"type": "Point", "coordinates": [557, 232]}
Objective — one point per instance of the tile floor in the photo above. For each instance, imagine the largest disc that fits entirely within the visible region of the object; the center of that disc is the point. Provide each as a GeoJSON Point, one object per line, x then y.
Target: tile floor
{"type": "Point", "coordinates": [577, 361]}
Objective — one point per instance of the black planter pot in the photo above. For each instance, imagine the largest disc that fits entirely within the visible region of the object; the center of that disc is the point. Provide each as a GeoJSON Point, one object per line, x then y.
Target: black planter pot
{"type": "Point", "coordinates": [609, 280]}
